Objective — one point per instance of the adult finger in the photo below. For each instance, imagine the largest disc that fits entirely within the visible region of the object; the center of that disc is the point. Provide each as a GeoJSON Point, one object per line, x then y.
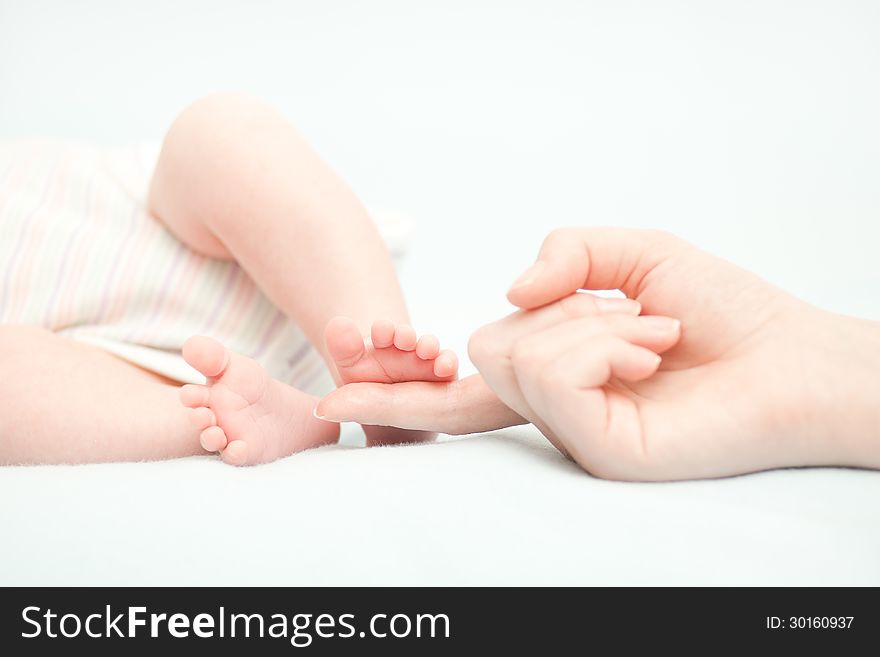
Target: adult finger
{"type": "Point", "coordinates": [489, 347]}
{"type": "Point", "coordinates": [456, 407]}
{"type": "Point", "coordinates": [655, 332]}
{"type": "Point", "coordinates": [592, 258]}
{"type": "Point", "coordinates": [531, 355]}
{"type": "Point", "coordinates": [598, 426]}
{"type": "Point", "coordinates": [491, 344]}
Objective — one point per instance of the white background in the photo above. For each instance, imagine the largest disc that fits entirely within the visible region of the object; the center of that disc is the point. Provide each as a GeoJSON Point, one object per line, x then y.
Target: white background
{"type": "Point", "coordinates": [750, 128]}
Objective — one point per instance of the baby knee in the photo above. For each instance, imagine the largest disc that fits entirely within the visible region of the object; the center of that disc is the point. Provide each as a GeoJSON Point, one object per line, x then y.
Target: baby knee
{"type": "Point", "coordinates": [215, 148]}
{"type": "Point", "coordinates": [227, 120]}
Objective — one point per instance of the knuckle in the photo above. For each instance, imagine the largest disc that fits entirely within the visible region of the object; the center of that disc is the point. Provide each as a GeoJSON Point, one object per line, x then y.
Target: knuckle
{"type": "Point", "coordinates": [482, 345]}
{"type": "Point", "coordinates": [578, 305]}
{"type": "Point", "coordinates": [489, 343]}
{"type": "Point", "coordinates": [663, 238]}
{"type": "Point", "coordinates": [605, 341]}
{"type": "Point", "coordinates": [607, 327]}
{"type": "Point", "coordinates": [525, 353]}
{"type": "Point", "coordinates": [561, 234]}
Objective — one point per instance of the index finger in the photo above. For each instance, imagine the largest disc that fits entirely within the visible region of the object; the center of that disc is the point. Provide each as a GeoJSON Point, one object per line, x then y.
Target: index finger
{"type": "Point", "coordinates": [454, 407]}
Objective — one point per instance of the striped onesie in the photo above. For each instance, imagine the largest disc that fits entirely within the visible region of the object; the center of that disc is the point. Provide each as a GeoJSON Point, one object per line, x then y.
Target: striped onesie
{"type": "Point", "coordinates": [81, 256]}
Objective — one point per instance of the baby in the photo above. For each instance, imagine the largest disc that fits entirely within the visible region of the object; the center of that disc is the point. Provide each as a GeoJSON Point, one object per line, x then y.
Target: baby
{"type": "Point", "coordinates": [246, 235]}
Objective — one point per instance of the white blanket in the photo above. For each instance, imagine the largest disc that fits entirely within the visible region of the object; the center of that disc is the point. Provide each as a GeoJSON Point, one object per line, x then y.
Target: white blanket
{"type": "Point", "coordinates": [502, 508]}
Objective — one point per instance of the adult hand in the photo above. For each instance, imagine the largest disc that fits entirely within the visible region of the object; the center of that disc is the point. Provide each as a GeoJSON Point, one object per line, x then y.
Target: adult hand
{"type": "Point", "coordinates": [453, 407]}
{"type": "Point", "coordinates": [752, 379]}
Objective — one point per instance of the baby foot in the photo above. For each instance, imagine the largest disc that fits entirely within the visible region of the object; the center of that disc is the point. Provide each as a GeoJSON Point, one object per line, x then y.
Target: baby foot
{"type": "Point", "coordinates": [392, 354]}
{"type": "Point", "coordinates": [245, 414]}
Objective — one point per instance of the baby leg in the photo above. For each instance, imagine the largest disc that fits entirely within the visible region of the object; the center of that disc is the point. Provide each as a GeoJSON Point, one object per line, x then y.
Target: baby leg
{"type": "Point", "coordinates": [66, 402]}
{"type": "Point", "coordinates": [236, 180]}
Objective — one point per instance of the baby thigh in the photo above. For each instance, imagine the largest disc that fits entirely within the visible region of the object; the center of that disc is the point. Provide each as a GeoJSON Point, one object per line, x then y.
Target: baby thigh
{"type": "Point", "coordinates": [66, 402]}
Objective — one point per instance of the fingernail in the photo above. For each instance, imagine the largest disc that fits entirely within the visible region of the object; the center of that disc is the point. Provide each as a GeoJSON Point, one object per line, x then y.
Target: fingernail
{"type": "Point", "coordinates": [529, 275]}
{"type": "Point", "coordinates": [660, 323]}
{"type": "Point", "coordinates": [614, 305]}
{"type": "Point", "coordinates": [315, 413]}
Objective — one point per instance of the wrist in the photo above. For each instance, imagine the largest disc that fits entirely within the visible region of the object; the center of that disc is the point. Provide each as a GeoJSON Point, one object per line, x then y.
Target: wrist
{"type": "Point", "coordinates": [845, 389]}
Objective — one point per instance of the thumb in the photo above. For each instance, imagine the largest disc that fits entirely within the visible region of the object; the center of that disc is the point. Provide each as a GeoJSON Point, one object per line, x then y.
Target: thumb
{"type": "Point", "coordinates": [594, 259]}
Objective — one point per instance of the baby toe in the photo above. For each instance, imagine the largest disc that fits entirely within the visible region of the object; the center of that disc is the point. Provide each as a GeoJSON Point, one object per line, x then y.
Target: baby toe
{"type": "Point", "coordinates": [446, 364]}
{"type": "Point", "coordinates": [382, 334]}
{"type": "Point", "coordinates": [213, 439]}
{"type": "Point", "coordinates": [405, 337]}
{"type": "Point", "coordinates": [193, 396]}
{"type": "Point", "coordinates": [344, 341]}
{"type": "Point", "coordinates": [206, 355]}
{"type": "Point", "coordinates": [428, 347]}
{"type": "Point", "coordinates": [236, 453]}
{"type": "Point", "coordinates": [202, 418]}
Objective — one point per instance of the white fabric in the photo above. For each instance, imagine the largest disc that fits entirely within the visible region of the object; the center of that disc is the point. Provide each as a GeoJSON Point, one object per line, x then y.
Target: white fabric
{"type": "Point", "coordinates": [498, 509]}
